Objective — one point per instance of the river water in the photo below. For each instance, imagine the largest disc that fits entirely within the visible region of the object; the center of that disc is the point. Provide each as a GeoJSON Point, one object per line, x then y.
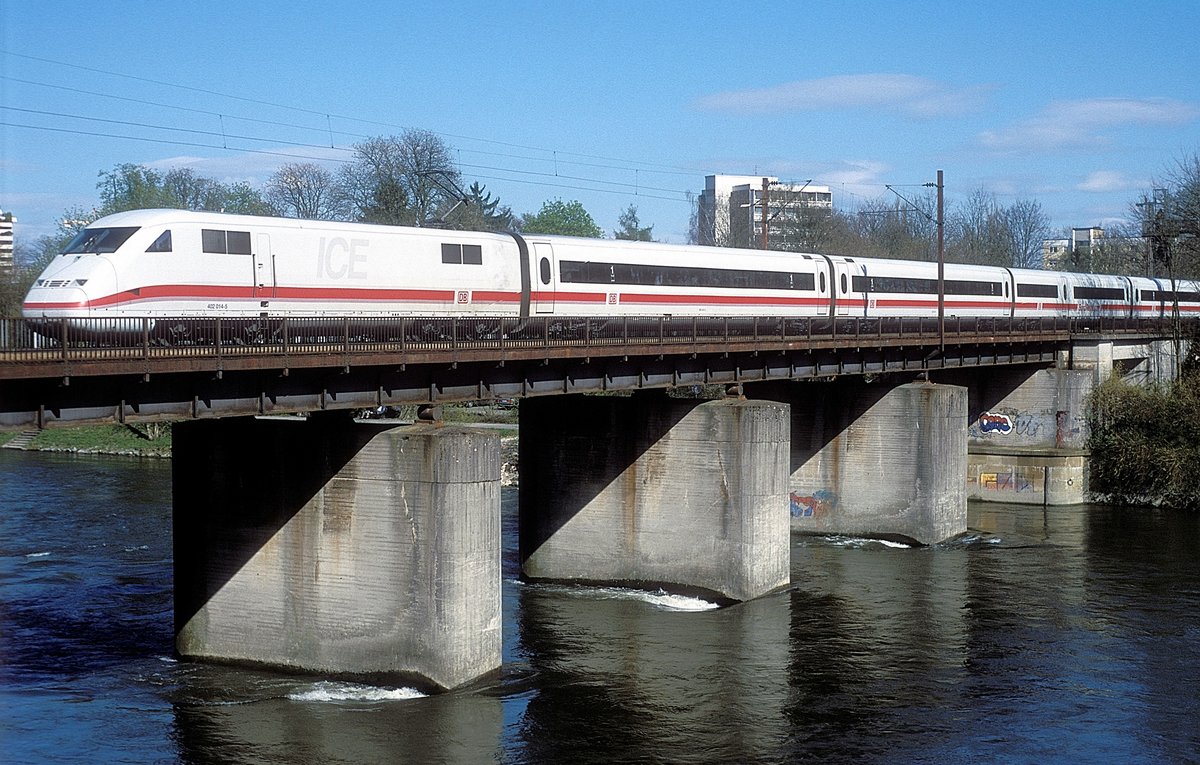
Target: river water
{"type": "Point", "coordinates": [1067, 635]}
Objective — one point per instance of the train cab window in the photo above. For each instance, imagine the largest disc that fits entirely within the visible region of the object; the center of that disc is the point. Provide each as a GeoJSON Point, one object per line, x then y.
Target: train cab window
{"type": "Point", "coordinates": [225, 242]}
{"type": "Point", "coordinates": [544, 270]}
{"type": "Point", "coordinates": [162, 243]}
{"type": "Point", "coordinates": [99, 239]}
{"type": "Point", "coordinates": [468, 254]}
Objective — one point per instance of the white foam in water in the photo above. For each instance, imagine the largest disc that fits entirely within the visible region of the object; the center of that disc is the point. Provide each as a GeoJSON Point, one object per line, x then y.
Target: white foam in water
{"type": "Point", "coordinates": [37, 555]}
{"type": "Point", "coordinates": [857, 542]}
{"type": "Point", "coordinates": [330, 691]}
{"type": "Point", "coordinates": [660, 599]}
{"type": "Point", "coordinates": [679, 602]}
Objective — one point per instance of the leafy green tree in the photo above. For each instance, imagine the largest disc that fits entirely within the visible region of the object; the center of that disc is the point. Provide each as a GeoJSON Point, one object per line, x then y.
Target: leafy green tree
{"type": "Point", "coordinates": [559, 217]}
{"type": "Point", "coordinates": [631, 227]}
{"type": "Point", "coordinates": [243, 199]}
{"type": "Point", "coordinates": [136, 187]}
{"type": "Point", "coordinates": [130, 187]}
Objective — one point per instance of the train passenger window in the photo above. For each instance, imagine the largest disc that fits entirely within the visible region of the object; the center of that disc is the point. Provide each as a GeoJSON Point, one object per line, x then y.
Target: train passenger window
{"type": "Point", "coordinates": [212, 240]}
{"type": "Point", "coordinates": [239, 242]}
{"type": "Point", "coordinates": [1037, 290]}
{"type": "Point", "coordinates": [470, 254]}
{"type": "Point", "coordinates": [544, 270]}
{"type": "Point", "coordinates": [225, 242]}
{"type": "Point", "coordinates": [1100, 293]}
{"type": "Point", "coordinates": [162, 243]}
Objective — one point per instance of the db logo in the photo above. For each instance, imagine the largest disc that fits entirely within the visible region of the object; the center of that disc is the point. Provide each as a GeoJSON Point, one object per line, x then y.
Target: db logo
{"type": "Point", "coordinates": [463, 298]}
{"type": "Point", "coordinates": [612, 298]}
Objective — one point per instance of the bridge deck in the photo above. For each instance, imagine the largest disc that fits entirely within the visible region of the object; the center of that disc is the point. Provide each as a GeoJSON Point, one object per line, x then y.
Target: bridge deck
{"type": "Point", "coordinates": [190, 367]}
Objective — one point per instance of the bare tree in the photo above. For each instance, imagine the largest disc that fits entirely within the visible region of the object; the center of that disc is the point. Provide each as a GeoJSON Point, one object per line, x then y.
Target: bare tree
{"type": "Point", "coordinates": [905, 229]}
{"type": "Point", "coordinates": [305, 190]}
{"type": "Point", "coordinates": [408, 179]}
{"type": "Point", "coordinates": [1026, 226]}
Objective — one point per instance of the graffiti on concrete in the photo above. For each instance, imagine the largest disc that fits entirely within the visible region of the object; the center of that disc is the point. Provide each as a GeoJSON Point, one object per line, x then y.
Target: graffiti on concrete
{"type": "Point", "coordinates": [995, 423]}
{"type": "Point", "coordinates": [1015, 480]}
{"type": "Point", "coordinates": [817, 505]}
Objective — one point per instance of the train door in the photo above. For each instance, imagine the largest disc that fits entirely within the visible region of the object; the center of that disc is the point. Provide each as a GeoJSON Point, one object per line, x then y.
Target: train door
{"type": "Point", "coordinates": [544, 269]}
{"type": "Point", "coordinates": [1010, 293]}
{"type": "Point", "coordinates": [264, 268]}
{"type": "Point", "coordinates": [841, 287]}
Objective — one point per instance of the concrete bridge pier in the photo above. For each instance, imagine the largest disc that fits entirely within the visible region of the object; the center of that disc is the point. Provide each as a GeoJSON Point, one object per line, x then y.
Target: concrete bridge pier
{"type": "Point", "coordinates": [651, 490]}
{"type": "Point", "coordinates": [339, 547]}
{"type": "Point", "coordinates": [876, 459]}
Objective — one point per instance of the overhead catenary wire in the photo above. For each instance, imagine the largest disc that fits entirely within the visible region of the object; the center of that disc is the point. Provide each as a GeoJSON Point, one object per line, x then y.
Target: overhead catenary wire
{"type": "Point", "coordinates": [555, 157]}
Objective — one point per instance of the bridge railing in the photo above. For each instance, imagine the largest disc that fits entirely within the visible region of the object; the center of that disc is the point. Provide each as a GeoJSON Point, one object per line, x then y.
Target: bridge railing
{"type": "Point", "coordinates": [83, 339]}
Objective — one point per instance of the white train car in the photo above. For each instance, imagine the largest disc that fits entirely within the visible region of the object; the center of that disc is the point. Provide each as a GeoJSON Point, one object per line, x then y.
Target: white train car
{"type": "Point", "coordinates": [590, 277]}
{"type": "Point", "coordinates": [176, 263]}
{"type": "Point", "coordinates": [1158, 298]}
{"type": "Point", "coordinates": [181, 263]}
{"type": "Point", "coordinates": [910, 288]}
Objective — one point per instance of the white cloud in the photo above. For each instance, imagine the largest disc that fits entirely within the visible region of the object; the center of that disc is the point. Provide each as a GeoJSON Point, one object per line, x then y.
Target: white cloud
{"type": "Point", "coordinates": [250, 167]}
{"type": "Point", "coordinates": [1086, 123]}
{"type": "Point", "coordinates": [903, 94]}
{"type": "Point", "coordinates": [1107, 181]}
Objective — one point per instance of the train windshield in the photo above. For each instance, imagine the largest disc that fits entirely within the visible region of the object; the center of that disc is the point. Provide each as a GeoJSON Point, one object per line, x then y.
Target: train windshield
{"type": "Point", "coordinates": [99, 239]}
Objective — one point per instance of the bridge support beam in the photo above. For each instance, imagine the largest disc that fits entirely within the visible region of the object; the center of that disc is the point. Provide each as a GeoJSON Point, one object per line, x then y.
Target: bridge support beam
{"type": "Point", "coordinates": [335, 546]}
{"type": "Point", "coordinates": [876, 459]}
{"type": "Point", "coordinates": [652, 491]}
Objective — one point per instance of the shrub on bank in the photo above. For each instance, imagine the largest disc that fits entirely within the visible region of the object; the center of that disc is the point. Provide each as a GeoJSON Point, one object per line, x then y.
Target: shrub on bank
{"type": "Point", "coordinates": [1145, 442]}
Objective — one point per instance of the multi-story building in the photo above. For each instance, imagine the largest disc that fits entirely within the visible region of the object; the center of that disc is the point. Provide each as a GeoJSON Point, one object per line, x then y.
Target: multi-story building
{"type": "Point", "coordinates": [1071, 250]}
{"type": "Point", "coordinates": [6, 242]}
{"type": "Point", "coordinates": [732, 208]}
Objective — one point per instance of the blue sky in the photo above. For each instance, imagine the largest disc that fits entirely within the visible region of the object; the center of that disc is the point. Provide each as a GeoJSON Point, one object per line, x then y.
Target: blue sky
{"type": "Point", "coordinates": [1078, 105]}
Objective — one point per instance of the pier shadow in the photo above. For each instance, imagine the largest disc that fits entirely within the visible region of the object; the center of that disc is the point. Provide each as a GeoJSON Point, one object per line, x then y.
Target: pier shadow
{"type": "Point", "coordinates": [237, 482]}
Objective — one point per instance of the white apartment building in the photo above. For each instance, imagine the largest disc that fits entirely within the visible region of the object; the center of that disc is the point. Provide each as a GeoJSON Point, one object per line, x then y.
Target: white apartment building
{"type": "Point", "coordinates": [6, 242]}
{"type": "Point", "coordinates": [732, 210]}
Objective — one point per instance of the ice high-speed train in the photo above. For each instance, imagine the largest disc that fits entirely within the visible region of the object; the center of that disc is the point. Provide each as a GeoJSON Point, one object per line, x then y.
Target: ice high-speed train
{"type": "Point", "coordinates": [175, 263]}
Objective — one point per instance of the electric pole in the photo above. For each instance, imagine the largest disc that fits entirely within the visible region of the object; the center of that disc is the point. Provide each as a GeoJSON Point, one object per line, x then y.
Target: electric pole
{"type": "Point", "coordinates": [765, 210]}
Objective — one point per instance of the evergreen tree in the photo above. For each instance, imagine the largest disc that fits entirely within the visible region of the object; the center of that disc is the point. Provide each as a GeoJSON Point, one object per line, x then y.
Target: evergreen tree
{"type": "Point", "coordinates": [631, 228]}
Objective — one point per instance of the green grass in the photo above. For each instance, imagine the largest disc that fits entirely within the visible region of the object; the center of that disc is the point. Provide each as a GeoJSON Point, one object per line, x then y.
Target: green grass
{"type": "Point", "coordinates": [6, 437]}
{"type": "Point", "coordinates": [142, 439]}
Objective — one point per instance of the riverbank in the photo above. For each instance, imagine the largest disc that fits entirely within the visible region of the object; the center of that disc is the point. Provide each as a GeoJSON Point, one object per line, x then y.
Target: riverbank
{"type": "Point", "coordinates": [153, 440]}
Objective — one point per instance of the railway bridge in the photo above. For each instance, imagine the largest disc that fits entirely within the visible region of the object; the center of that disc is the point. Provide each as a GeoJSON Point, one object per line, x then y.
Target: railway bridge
{"type": "Point", "coordinates": [327, 544]}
